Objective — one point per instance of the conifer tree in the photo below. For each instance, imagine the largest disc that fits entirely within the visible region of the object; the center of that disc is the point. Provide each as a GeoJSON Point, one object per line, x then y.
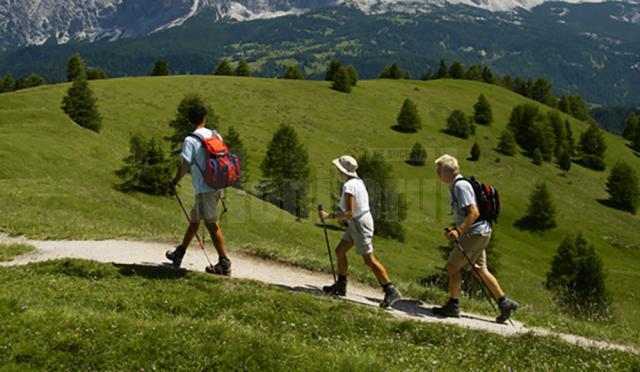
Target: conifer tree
{"type": "Point", "coordinates": [631, 126]}
{"type": "Point", "coordinates": [458, 125]}
{"type": "Point", "coordinates": [75, 67]}
{"type": "Point", "coordinates": [474, 72]}
{"type": "Point", "coordinates": [475, 152]}
{"type": "Point", "coordinates": [623, 187]}
{"type": "Point", "coordinates": [146, 169]}
{"type": "Point", "coordinates": [7, 83]}
{"type": "Point", "coordinates": [286, 171]}
{"type": "Point", "coordinates": [160, 68]}
{"type": "Point", "coordinates": [224, 68]}
{"type": "Point", "coordinates": [537, 156]}
{"type": "Point", "coordinates": [542, 91]}
{"type": "Point", "coordinates": [407, 75]}
{"type": "Point", "coordinates": [96, 74]}
{"type": "Point", "coordinates": [456, 71]}
{"type": "Point", "coordinates": [80, 104]}
{"type": "Point", "coordinates": [636, 141]}
{"type": "Point", "coordinates": [571, 143]}
{"type": "Point", "coordinates": [391, 72]}
{"type": "Point", "coordinates": [541, 212]}
{"type": "Point", "coordinates": [243, 68]}
{"type": "Point", "coordinates": [418, 155]}
{"type": "Point", "coordinates": [564, 160]}
{"type": "Point", "coordinates": [409, 119]}
{"type": "Point", "coordinates": [292, 72]}
{"type": "Point", "coordinates": [487, 76]}
{"type": "Point", "coordinates": [559, 132]}
{"type": "Point", "coordinates": [427, 75]}
{"type": "Point", "coordinates": [334, 66]}
{"type": "Point", "coordinates": [564, 105]}
{"type": "Point", "coordinates": [388, 206]}
{"type": "Point", "coordinates": [34, 80]}
{"type": "Point", "coordinates": [353, 75]}
{"type": "Point", "coordinates": [483, 114]}
{"type": "Point", "coordinates": [341, 81]}
{"type": "Point", "coordinates": [593, 147]}
{"type": "Point", "coordinates": [181, 125]}
{"type": "Point", "coordinates": [443, 70]}
{"type": "Point", "coordinates": [507, 143]}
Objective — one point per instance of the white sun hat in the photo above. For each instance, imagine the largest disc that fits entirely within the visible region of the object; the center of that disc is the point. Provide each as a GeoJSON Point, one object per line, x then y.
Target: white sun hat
{"type": "Point", "coordinates": [347, 165]}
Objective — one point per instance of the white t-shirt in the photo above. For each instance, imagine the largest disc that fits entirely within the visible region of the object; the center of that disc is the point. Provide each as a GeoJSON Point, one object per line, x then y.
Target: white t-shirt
{"type": "Point", "coordinates": [194, 154]}
{"type": "Point", "coordinates": [355, 187]}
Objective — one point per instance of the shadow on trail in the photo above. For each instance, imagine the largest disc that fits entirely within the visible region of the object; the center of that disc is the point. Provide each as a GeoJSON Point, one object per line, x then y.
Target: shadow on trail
{"type": "Point", "coordinates": [151, 270]}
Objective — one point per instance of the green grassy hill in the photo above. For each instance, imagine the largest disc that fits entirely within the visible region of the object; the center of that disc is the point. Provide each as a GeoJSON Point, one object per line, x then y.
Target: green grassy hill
{"type": "Point", "coordinates": [57, 180]}
{"type": "Point", "coordinates": [81, 315]}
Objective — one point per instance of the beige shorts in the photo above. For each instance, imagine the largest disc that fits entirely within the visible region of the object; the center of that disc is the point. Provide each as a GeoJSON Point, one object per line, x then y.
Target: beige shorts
{"type": "Point", "coordinates": [475, 247]}
{"type": "Point", "coordinates": [206, 207]}
{"type": "Point", "coordinates": [360, 233]}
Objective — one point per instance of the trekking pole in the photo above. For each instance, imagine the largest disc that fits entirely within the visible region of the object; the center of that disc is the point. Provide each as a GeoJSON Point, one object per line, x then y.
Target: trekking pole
{"type": "Point", "coordinates": [485, 288]}
{"type": "Point", "coordinates": [326, 237]}
{"type": "Point", "coordinates": [194, 230]}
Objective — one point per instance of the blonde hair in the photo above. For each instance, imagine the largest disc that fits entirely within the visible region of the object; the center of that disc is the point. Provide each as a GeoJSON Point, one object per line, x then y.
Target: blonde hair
{"type": "Point", "coordinates": [448, 163]}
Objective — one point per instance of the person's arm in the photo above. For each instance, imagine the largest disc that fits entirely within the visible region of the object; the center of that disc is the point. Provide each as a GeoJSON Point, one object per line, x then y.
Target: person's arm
{"type": "Point", "coordinates": [472, 215]}
{"type": "Point", "coordinates": [350, 201]}
{"type": "Point", "coordinates": [183, 169]}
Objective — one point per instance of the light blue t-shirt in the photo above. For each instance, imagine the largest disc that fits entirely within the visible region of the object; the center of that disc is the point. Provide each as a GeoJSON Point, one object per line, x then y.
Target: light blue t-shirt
{"type": "Point", "coordinates": [194, 153]}
{"type": "Point", "coordinates": [462, 196]}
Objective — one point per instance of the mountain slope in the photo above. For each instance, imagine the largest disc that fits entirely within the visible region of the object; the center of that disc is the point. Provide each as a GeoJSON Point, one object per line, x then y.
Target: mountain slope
{"type": "Point", "coordinates": [41, 166]}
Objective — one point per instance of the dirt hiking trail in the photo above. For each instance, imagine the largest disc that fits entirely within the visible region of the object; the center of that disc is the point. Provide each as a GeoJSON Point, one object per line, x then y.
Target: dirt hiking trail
{"type": "Point", "coordinates": [267, 271]}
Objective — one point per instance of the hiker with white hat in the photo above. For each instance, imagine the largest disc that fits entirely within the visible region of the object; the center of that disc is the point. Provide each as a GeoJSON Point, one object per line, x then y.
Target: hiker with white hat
{"type": "Point", "coordinates": [354, 206]}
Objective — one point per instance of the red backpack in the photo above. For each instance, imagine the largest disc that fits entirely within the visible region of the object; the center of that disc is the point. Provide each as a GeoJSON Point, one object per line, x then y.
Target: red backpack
{"type": "Point", "coordinates": [487, 200]}
{"type": "Point", "coordinates": [222, 167]}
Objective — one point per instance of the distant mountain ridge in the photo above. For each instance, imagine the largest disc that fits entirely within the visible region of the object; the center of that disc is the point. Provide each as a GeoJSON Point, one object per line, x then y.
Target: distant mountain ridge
{"type": "Point", "coordinates": [35, 22]}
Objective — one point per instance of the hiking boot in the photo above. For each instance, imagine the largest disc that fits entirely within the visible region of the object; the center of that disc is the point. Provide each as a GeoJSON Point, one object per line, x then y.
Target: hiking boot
{"type": "Point", "coordinates": [176, 256]}
{"type": "Point", "coordinates": [507, 306]}
{"type": "Point", "coordinates": [339, 288]}
{"type": "Point", "coordinates": [223, 267]}
{"type": "Point", "coordinates": [391, 296]}
{"type": "Point", "coordinates": [450, 310]}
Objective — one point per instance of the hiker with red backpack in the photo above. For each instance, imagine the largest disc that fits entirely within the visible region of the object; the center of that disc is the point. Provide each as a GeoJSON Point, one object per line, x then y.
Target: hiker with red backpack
{"type": "Point", "coordinates": [212, 168]}
{"type": "Point", "coordinates": [475, 207]}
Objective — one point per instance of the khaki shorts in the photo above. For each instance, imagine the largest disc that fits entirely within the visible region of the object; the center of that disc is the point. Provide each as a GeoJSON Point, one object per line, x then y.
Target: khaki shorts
{"type": "Point", "coordinates": [206, 207]}
{"type": "Point", "coordinates": [360, 233]}
{"type": "Point", "coordinates": [475, 246]}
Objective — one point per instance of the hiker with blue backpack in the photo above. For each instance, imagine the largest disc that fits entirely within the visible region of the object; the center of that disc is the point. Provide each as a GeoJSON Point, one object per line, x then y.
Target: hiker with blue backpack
{"type": "Point", "coordinates": [475, 207]}
{"type": "Point", "coordinates": [205, 156]}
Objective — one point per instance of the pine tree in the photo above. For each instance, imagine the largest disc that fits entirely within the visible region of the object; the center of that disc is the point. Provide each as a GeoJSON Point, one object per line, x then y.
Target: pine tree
{"type": "Point", "coordinates": [564, 160]}
{"type": "Point", "coordinates": [483, 114]}
{"type": "Point", "coordinates": [286, 171]}
{"type": "Point", "coordinates": [507, 143]}
{"type": "Point", "coordinates": [160, 68]}
{"type": "Point", "coordinates": [34, 80]}
{"type": "Point", "coordinates": [418, 155]}
{"type": "Point", "coordinates": [388, 206]}
{"type": "Point", "coordinates": [522, 119]}
{"type": "Point", "coordinates": [391, 72]}
{"type": "Point", "coordinates": [593, 147]}
{"type": "Point", "coordinates": [75, 67]}
{"type": "Point", "coordinates": [579, 108]}
{"type": "Point", "coordinates": [7, 83]}
{"type": "Point", "coordinates": [243, 68]}
{"type": "Point", "coordinates": [507, 82]}
{"type": "Point", "coordinates": [456, 71]}
{"type": "Point", "coordinates": [80, 104]}
{"type": "Point", "coordinates": [427, 75]}
{"type": "Point", "coordinates": [409, 119]}
{"type": "Point", "coordinates": [293, 73]}
{"type": "Point", "coordinates": [623, 187]}
{"type": "Point", "coordinates": [181, 125]}
{"type": "Point", "coordinates": [541, 213]}
{"type": "Point", "coordinates": [564, 105]}
{"type": "Point", "coordinates": [577, 276]}
{"type": "Point", "coordinates": [487, 76]}
{"type": "Point", "coordinates": [474, 72]}
{"type": "Point", "coordinates": [341, 81]}
{"type": "Point", "coordinates": [96, 74]}
{"type": "Point", "coordinates": [443, 70]}
{"type": "Point", "coordinates": [559, 132]}
{"type": "Point", "coordinates": [631, 126]}
{"type": "Point", "coordinates": [475, 152]}
{"type": "Point", "coordinates": [636, 141]}
{"type": "Point", "coordinates": [353, 75]}
{"type": "Point", "coordinates": [458, 125]}
{"type": "Point", "coordinates": [407, 75]}
{"type": "Point", "coordinates": [146, 169]}
{"type": "Point", "coordinates": [224, 68]}
{"type": "Point", "coordinates": [334, 66]}
{"type": "Point", "coordinates": [537, 156]}
{"type": "Point", "coordinates": [571, 143]}
{"type": "Point", "coordinates": [542, 91]}
{"type": "Point", "coordinates": [234, 144]}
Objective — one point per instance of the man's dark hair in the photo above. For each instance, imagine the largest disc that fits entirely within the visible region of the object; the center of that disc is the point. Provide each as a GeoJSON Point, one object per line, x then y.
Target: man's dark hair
{"type": "Point", "coordinates": [197, 113]}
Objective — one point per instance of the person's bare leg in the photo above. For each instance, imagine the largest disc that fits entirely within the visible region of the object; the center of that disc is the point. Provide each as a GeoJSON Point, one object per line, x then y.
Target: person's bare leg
{"type": "Point", "coordinates": [377, 268]}
{"type": "Point", "coordinates": [455, 281]}
{"type": "Point", "coordinates": [491, 282]}
{"type": "Point", "coordinates": [189, 234]}
{"type": "Point", "coordinates": [341, 256]}
{"type": "Point", "coordinates": [217, 237]}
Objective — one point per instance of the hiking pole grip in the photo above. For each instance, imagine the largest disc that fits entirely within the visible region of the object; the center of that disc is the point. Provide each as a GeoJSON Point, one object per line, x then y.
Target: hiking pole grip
{"type": "Point", "coordinates": [326, 237]}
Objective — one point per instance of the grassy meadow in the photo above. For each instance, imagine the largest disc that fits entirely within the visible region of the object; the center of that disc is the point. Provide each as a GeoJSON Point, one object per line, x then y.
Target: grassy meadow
{"type": "Point", "coordinates": [57, 180]}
